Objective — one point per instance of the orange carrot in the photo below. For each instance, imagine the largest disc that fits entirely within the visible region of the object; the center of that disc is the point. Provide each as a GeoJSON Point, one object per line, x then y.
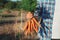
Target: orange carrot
{"type": "Point", "coordinates": [32, 23]}
{"type": "Point", "coordinates": [31, 28]}
{"type": "Point", "coordinates": [36, 22]}
{"type": "Point", "coordinates": [34, 26]}
{"type": "Point", "coordinates": [29, 25]}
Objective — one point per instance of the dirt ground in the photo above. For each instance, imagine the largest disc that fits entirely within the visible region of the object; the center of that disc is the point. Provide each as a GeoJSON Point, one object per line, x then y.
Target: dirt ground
{"type": "Point", "coordinates": [13, 32]}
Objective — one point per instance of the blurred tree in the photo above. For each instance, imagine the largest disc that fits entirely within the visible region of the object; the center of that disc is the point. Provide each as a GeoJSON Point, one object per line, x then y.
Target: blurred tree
{"type": "Point", "coordinates": [2, 3]}
{"type": "Point", "coordinates": [9, 5]}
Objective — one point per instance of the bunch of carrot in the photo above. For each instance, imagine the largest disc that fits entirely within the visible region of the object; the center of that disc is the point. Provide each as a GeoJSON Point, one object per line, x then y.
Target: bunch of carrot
{"type": "Point", "coordinates": [30, 26]}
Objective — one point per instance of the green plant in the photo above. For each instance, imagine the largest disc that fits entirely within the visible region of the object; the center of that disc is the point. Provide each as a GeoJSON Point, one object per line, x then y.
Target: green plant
{"type": "Point", "coordinates": [29, 5]}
